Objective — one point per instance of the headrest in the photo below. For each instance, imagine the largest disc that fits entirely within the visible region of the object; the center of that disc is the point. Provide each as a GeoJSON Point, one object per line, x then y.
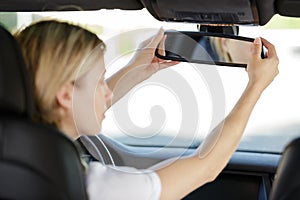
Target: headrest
{"type": "Point", "coordinates": [15, 92]}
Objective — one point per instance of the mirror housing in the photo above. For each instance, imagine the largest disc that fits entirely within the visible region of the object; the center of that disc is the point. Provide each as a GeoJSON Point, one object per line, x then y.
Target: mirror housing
{"type": "Point", "coordinates": [204, 11]}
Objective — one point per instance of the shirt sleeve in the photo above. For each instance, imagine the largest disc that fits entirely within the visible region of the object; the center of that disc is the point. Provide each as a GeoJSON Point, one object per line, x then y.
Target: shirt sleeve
{"type": "Point", "coordinates": [106, 182]}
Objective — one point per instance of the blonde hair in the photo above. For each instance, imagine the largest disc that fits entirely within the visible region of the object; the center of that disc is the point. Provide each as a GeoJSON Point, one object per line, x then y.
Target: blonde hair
{"type": "Point", "coordinates": [54, 51]}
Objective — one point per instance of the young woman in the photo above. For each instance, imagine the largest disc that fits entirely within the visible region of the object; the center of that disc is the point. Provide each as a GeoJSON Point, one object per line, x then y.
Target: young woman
{"type": "Point", "coordinates": [67, 70]}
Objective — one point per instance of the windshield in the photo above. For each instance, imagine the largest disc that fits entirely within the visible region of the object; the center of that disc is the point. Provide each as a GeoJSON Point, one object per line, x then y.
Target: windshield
{"type": "Point", "coordinates": [180, 105]}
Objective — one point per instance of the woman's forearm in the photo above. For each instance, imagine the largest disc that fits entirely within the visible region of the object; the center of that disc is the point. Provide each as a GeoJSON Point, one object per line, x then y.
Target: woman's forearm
{"type": "Point", "coordinates": [213, 154]}
{"type": "Point", "coordinates": [124, 80]}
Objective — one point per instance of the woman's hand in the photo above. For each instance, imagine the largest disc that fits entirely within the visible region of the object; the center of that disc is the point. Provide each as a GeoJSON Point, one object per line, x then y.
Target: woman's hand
{"type": "Point", "coordinates": [262, 72]}
{"type": "Point", "coordinates": [143, 65]}
{"type": "Point", "coordinates": [145, 58]}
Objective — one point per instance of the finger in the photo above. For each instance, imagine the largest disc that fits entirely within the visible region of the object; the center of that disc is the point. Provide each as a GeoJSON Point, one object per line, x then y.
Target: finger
{"type": "Point", "coordinates": [256, 47]}
{"type": "Point", "coordinates": [156, 39]}
{"type": "Point", "coordinates": [270, 47]}
{"type": "Point", "coordinates": [161, 47]}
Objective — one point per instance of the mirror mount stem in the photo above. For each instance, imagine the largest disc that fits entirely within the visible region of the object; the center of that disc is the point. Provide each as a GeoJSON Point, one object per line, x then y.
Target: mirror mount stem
{"type": "Point", "coordinates": [231, 30]}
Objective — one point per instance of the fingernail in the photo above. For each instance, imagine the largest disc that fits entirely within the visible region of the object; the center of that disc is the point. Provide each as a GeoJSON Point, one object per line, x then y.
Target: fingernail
{"type": "Point", "coordinates": [257, 40]}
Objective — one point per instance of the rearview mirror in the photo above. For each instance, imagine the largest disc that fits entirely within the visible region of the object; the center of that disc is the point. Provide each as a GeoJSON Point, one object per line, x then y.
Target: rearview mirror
{"type": "Point", "coordinates": [206, 48]}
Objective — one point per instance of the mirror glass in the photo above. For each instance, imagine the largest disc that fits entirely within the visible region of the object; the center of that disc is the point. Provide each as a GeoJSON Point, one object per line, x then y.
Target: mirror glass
{"type": "Point", "coordinates": [207, 48]}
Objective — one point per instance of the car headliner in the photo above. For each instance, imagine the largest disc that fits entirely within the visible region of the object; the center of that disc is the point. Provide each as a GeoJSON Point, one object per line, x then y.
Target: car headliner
{"type": "Point", "coordinates": [266, 9]}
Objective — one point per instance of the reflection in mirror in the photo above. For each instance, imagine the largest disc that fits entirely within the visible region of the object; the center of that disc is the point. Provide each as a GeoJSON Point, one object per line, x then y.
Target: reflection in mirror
{"type": "Point", "coordinates": [208, 48]}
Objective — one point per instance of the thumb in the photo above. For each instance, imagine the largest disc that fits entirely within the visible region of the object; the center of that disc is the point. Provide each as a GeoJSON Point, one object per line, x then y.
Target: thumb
{"type": "Point", "coordinates": [157, 38]}
{"type": "Point", "coordinates": [256, 47]}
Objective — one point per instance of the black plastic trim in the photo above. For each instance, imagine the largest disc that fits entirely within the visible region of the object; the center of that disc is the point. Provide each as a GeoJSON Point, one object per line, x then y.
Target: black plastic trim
{"type": "Point", "coordinates": [266, 10]}
{"type": "Point", "coordinates": [59, 5]}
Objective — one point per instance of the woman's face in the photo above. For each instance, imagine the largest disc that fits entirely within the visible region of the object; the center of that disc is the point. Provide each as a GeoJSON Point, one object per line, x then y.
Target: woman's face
{"type": "Point", "coordinates": [90, 96]}
{"type": "Point", "coordinates": [239, 51]}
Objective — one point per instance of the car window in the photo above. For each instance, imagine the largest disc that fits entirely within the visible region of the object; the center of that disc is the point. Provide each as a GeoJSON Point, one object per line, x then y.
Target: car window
{"type": "Point", "coordinates": [178, 106]}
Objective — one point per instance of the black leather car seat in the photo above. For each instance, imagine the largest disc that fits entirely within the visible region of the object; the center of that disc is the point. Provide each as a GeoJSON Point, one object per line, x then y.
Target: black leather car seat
{"type": "Point", "coordinates": [286, 185]}
{"type": "Point", "coordinates": [36, 162]}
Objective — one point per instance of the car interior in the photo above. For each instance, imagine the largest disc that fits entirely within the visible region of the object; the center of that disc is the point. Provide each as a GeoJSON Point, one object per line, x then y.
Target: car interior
{"type": "Point", "coordinates": [38, 162]}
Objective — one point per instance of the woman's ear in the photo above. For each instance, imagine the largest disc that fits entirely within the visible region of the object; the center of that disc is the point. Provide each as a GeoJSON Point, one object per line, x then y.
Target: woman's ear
{"type": "Point", "coordinates": [64, 96]}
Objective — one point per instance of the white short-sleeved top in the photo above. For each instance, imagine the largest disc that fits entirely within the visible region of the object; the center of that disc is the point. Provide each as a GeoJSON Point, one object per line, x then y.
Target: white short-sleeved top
{"type": "Point", "coordinates": [107, 182]}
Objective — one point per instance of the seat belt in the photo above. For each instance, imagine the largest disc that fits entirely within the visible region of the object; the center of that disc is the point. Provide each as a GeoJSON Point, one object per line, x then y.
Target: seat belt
{"type": "Point", "coordinates": [96, 148]}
